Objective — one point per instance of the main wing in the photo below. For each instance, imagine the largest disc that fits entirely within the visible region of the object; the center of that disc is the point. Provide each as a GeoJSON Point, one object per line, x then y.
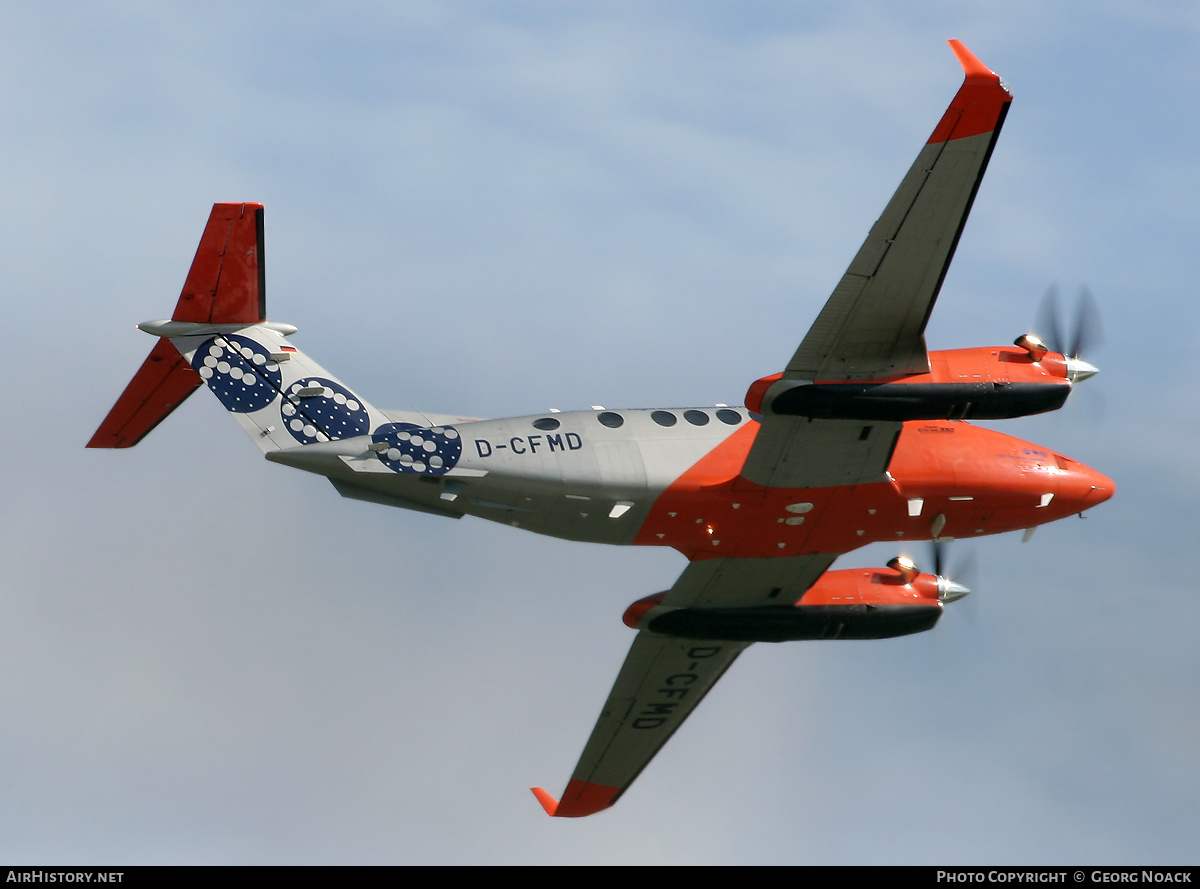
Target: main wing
{"type": "Point", "coordinates": [871, 328]}
{"type": "Point", "coordinates": [873, 325]}
{"type": "Point", "coordinates": [665, 677]}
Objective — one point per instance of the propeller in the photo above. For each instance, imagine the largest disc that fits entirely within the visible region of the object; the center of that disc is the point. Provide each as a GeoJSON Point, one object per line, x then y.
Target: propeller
{"type": "Point", "coordinates": [1086, 332]}
{"type": "Point", "coordinates": [950, 590]}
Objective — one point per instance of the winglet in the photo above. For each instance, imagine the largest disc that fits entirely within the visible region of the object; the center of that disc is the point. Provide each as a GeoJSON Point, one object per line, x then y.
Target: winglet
{"type": "Point", "coordinates": [980, 104]}
{"type": "Point", "coordinates": [970, 62]}
{"type": "Point", "coordinates": [549, 803]}
{"type": "Point", "coordinates": [579, 799]}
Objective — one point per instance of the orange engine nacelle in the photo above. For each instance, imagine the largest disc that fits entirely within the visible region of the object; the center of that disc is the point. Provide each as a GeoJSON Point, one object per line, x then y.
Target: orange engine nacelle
{"type": "Point", "coordinates": [860, 603]}
{"type": "Point", "coordinates": [990, 383]}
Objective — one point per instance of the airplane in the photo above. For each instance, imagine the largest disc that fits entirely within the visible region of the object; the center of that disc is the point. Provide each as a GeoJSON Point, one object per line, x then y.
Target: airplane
{"type": "Point", "coordinates": [862, 437]}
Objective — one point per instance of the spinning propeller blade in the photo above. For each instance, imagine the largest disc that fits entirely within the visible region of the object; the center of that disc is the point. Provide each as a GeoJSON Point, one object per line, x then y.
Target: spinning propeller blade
{"type": "Point", "coordinates": [950, 590]}
{"type": "Point", "coordinates": [1086, 331]}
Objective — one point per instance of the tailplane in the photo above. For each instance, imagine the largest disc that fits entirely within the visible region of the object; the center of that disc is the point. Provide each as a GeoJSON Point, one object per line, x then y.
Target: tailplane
{"type": "Point", "coordinates": [219, 335]}
{"type": "Point", "coordinates": [225, 285]}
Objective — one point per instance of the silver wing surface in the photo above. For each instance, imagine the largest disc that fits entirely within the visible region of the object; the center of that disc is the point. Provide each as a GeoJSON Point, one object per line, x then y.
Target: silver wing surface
{"type": "Point", "coordinates": [871, 328]}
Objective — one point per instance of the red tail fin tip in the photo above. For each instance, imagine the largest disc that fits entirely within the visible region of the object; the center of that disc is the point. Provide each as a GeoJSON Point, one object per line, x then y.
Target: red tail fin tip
{"type": "Point", "coordinates": [227, 283]}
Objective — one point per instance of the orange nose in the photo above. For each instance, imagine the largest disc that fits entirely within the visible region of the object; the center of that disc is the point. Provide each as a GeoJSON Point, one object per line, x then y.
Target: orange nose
{"type": "Point", "coordinates": [1084, 487]}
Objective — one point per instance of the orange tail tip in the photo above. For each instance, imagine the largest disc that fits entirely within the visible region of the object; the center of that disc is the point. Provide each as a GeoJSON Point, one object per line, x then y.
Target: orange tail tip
{"type": "Point", "coordinates": [579, 799]}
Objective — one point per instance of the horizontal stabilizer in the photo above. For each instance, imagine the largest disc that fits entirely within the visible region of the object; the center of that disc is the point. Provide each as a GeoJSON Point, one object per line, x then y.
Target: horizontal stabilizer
{"type": "Point", "coordinates": [226, 283]}
{"type": "Point", "coordinates": [161, 384]}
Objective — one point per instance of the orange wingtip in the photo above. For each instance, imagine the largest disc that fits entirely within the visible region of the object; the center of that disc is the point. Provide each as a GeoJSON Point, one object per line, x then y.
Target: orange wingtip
{"type": "Point", "coordinates": [970, 62]}
{"type": "Point", "coordinates": [549, 803]}
{"type": "Point", "coordinates": [579, 799]}
{"type": "Point", "coordinates": [978, 106]}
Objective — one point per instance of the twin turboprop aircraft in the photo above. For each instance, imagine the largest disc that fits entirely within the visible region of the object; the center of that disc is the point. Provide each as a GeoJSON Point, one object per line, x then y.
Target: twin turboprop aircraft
{"type": "Point", "coordinates": [860, 439]}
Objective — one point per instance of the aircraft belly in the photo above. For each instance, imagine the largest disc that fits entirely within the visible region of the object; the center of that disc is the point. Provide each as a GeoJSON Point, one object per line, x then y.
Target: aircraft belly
{"type": "Point", "coordinates": [595, 493]}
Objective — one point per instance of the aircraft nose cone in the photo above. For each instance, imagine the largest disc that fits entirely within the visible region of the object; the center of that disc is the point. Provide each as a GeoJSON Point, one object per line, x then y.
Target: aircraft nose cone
{"type": "Point", "coordinates": [1101, 485]}
{"type": "Point", "coordinates": [1080, 370]}
{"type": "Point", "coordinates": [1087, 488]}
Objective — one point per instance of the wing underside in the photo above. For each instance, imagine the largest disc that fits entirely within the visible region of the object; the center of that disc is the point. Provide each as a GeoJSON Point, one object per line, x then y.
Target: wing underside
{"type": "Point", "coordinates": [873, 325]}
{"type": "Point", "coordinates": [664, 678]}
{"type": "Point", "coordinates": [871, 328]}
{"type": "Point", "coordinates": [798, 452]}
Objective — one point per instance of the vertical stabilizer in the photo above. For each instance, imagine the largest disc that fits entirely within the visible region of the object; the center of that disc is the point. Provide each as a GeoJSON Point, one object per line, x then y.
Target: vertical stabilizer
{"type": "Point", "coordinates": [227, 281]}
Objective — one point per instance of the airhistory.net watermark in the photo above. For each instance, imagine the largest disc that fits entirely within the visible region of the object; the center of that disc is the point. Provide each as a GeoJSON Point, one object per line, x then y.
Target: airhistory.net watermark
{"type": "Point", "coordinates": [39, 875]}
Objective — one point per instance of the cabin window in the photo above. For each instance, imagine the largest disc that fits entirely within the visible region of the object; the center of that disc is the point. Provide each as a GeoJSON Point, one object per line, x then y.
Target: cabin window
{"type": "Point", "coordinates": [611, 420]}
{"type": "Point", "coordinates": [546, 423]}
{"type": "Point", "coordinates": [664, 418]}
{"type": "Point", "coordinates": [725, 415]}
{"type": "Point", "coordinates": [696, 418]}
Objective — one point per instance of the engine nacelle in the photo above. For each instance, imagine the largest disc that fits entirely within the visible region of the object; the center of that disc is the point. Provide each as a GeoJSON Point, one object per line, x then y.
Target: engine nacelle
{"type": "Point", "coordinates": [962, 384]}
{"type": "Point", "coordinates": [862, 603]}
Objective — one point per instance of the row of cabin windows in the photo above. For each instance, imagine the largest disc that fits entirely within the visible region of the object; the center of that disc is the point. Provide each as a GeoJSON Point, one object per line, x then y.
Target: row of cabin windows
{"type": "Point", "coordinates": [614, 420]}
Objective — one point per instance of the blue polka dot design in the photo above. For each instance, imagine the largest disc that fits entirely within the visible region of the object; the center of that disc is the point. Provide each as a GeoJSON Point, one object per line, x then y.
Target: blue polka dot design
{"type": "Point", "coordinates": [316, 409]}
{"type": "Point", "coordinates": [417, 449]}
{"type": "Point", "coordinates": [239, 371]}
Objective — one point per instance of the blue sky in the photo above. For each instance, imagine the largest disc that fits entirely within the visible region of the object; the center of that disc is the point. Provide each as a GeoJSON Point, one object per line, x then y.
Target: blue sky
{"type": "Point", "coordinates": [496, 208]}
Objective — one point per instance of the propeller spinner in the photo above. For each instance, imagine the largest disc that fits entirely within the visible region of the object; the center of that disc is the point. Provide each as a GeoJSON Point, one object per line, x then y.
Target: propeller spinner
{"type": "Point", "coordinates": [1086, 333]}
{"type": "Point", "coordinates": [948, 590]}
